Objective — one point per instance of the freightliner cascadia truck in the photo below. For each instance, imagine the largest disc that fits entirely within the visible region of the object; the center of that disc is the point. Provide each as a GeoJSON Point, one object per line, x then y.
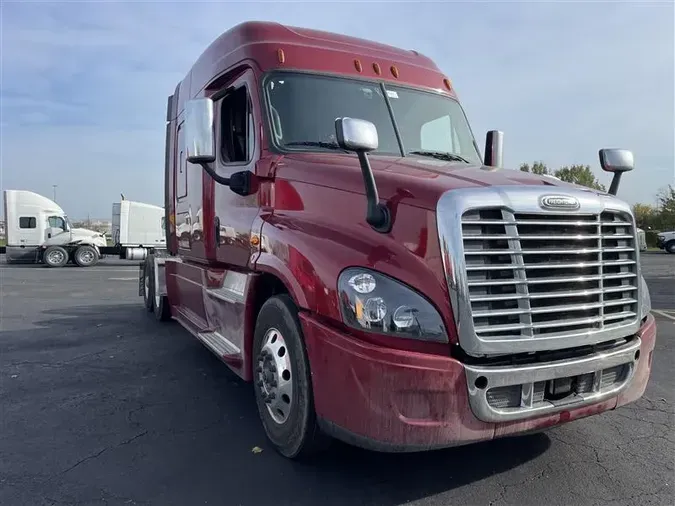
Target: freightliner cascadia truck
{"type": "Point", "coordinates": [336, 237]}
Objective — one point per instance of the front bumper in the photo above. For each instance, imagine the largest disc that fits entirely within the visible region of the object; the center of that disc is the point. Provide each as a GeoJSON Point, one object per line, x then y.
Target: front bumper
{"type": "Point", "coordinates": [660, 242]}
{"type": "Point", "coordinates": [392, 400]}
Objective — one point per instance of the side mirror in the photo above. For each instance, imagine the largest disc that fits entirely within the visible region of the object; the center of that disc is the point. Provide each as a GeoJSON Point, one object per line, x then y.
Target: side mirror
{"type": "Point", "coordinates": [199, 134]}
{"type": "Point", "coordinates": [356, 134]}
{"type": "Point", "coordinates": [494, 148]}
{"type": "Point", "coordinates": [360, 136]}
{"type": "Point", "coordinates": [616, 161]}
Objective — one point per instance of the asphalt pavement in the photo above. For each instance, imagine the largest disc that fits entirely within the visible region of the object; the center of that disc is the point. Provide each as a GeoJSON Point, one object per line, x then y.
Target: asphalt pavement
{"type": "Point", "coordinates": [102, 405]}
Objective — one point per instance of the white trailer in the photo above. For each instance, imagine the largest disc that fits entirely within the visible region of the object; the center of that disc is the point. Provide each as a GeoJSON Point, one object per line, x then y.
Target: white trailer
{"type": "Point", "coordinates": [137, 228]}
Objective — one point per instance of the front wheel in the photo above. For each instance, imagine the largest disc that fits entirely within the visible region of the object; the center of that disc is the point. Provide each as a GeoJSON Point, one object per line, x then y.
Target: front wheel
{"type": "Point", "coordinates": [670, 246]}
{"type": "Point", "coordinates": [55, 256]}
{"type": "Point", "coordinates": [161, 308]}
{"type": "Point", "coordinates": [283, 388]}
{"type": "Point", "coordinates": [148, 294]}
{"type": "Point", "coordinates": [86, 256]}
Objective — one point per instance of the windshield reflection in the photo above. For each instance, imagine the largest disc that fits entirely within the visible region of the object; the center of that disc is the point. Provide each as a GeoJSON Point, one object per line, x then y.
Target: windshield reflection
{"type": "Point", "coordinates": [303, 108]}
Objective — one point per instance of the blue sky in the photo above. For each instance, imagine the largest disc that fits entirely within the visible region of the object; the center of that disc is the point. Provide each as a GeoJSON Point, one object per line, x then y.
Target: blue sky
{"type": "Point", "coordinates": [84, 84]}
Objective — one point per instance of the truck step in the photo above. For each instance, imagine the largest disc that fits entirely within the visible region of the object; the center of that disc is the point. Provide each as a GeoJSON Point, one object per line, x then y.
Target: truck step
{"type": "Point", "coordinates": [218, 343]}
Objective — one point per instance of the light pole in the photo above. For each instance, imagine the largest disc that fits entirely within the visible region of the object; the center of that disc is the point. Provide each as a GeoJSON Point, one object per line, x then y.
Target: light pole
{"type": "Point", "coordinates": [54, 188]}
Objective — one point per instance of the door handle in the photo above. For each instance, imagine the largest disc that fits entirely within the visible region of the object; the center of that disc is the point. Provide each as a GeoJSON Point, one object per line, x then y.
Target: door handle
{"type": "Point", "coordinates": [216, 223]}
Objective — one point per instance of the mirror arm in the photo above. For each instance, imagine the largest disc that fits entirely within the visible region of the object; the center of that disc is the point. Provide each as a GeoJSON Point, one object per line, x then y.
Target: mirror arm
{"type": "Point", "coordinates": [377, 214]}
{"type": "Point", "coordinates": [218, 179]}
{"type": "Point", "coordinates": [614, 186]}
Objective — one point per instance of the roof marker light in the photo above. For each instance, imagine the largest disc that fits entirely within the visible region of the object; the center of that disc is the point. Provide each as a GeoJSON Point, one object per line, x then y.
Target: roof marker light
{"type": "Point", "coordinates": [394, 71]}
{"type": "Point", "coordinates": [281, 56]}
{"type": "Point", "coordinates": [447, 83]}
{"type": "Point", "coordinates": [358, 66]}
{"type": "Point", "coordinates": [377, 69]}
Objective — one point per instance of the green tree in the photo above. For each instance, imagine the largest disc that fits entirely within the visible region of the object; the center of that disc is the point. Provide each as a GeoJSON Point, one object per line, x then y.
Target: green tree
{"type": "Point", "coordinates": [645, 216]}
{"type": "Point", "coordinates": [539, 168]}
{"type": "Point", "coordinates": [666, 208]}
{"type": "Point", "coordinates": [579, 174]}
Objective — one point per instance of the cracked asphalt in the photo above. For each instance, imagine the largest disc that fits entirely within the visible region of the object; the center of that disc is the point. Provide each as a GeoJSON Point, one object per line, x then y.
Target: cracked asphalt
{"type": "Point", "coordinates": [101, 405]}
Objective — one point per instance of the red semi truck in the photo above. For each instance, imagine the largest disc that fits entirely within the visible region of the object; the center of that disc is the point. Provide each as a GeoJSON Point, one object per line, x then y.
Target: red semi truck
{"type": "Point", "coordinates": [335, 236]}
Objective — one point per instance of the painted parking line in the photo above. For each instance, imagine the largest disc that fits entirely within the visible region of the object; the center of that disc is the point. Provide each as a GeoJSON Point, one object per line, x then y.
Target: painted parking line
{"type": "Point", "coordinates": [665, 313]}
{"type": "Point", "coordinates": [134, 278]}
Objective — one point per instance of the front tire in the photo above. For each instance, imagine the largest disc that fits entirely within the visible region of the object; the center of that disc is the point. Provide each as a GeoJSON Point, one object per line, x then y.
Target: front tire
{"type": "Point", "coordinates": [148, 288]}
{"type": "Point", "coordinates": [282, 381]}
{"type": "Point", "coordinates": [670, 246]}
{"type": "Point", "coordinates": [162, 309]}
{"type": "Point", "coordinates": [55, 256]}
{"type": "Point", "coordinates": [86, 256]}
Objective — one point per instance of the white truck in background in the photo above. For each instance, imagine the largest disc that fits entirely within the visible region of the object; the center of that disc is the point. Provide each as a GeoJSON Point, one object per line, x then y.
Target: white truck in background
{"type": "Point", "coordinates": [136, 228]}
{"type": "Point", "coordinates": [38, 231]}
{"type": "Point", "coordinates": [666, 241]}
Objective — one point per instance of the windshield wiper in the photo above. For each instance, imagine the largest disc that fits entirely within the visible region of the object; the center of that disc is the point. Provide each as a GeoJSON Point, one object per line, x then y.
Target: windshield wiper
{"type": "Point", "coordinates": [318, 144]}
{"type": "Point", "coordinates": [440, 155]}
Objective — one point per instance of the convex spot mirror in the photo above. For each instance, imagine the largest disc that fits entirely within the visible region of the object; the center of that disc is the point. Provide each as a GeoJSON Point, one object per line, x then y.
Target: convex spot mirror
{"type": "Point", "coordinates": [199, 133]}
{"type": "Point", "coordinates": [616, 160]}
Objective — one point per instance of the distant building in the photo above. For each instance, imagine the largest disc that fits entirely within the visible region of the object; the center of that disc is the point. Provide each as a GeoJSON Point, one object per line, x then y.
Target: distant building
{"type": "Point", "coordinates": [104, 226]}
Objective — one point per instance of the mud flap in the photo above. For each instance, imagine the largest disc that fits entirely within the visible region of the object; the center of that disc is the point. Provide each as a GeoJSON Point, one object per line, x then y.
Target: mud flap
{"type": "Point", "coordinates": [141, 281]}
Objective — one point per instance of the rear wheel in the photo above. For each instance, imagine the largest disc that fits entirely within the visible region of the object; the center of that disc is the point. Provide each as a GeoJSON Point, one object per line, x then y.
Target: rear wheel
{"type": "Point", "coordinates": [86, 256]}
{"type": "Point", "coordinates": [55, 256]}
{"type": "Point", "coordinates": [670, 246]}
{"type": "Point", "coordinates": [283, 388]}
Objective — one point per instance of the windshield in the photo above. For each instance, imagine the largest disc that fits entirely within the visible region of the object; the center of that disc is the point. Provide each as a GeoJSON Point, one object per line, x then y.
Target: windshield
{"type": "Point", "coordinates": [303, 109]}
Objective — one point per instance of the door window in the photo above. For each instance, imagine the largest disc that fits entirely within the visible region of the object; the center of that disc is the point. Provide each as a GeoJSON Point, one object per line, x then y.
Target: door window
{"type": "Point", "coordinates": [57, 222]}
{"type": "Point", "coordinates": [236, 140]}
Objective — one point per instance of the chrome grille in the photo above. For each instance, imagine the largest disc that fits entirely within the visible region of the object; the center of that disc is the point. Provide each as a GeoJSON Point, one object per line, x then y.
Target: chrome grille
{"type": "Point", "coordinates": [545, 275]}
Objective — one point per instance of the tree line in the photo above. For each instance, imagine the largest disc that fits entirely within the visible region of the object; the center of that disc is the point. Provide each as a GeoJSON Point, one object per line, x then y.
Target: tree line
{"type": "Point", "coordinates": [652, 218]}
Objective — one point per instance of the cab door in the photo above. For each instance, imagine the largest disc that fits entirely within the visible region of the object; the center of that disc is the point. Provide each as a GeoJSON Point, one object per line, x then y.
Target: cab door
{"type": "Point", "coordinates": [236, 114]}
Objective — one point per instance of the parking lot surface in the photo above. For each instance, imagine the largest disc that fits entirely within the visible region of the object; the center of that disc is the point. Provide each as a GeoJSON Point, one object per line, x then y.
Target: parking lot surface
{"type": "Point", "coordinates": [102, 405]}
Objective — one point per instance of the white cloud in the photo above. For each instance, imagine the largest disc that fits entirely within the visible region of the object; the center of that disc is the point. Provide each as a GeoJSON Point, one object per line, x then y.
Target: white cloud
{"type": "Point", "coordinates": [84, 86]}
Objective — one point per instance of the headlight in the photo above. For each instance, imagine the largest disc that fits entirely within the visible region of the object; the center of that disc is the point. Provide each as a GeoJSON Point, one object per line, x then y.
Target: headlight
{"type": "Point", "coordinates": [646, 302]}
{"type": "Point", "coordinates": [377, 303]}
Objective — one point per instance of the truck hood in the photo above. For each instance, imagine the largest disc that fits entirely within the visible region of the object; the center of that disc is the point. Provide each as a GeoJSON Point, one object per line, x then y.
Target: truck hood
{"type": "Point", "coordinates": [84, 232]}
{"type": "Point", "coordinates": [85, 235]}
{"type": "Point", "coordinates": [76, 235]}
{"type": "Point", "coordinates": [412, 180]}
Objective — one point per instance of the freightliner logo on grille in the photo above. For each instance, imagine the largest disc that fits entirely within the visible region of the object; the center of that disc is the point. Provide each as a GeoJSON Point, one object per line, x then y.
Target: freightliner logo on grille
{"type": "Point", "coordinates": [558, 202]}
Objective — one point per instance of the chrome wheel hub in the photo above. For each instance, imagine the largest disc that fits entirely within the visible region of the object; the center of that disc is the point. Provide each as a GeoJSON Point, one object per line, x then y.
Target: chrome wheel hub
{"type": "Point", "coordinates": [274, 377]}
{"type": "Point", "coordinates": [55, 257]}
{"type": "Point", "coordinates": [86, 257]}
